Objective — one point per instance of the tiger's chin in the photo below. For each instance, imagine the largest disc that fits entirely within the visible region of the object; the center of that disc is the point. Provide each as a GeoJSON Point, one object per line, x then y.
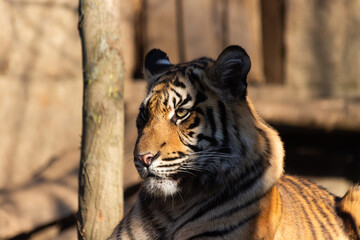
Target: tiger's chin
{"type": "Point", "coordinates": [161, 187]}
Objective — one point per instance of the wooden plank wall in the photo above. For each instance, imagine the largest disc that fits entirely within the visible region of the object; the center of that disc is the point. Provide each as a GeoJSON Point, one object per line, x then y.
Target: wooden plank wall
{"type": "Point", "coordinates": [273, 39]}
{"type": "Point", "coordinates": [309, 46]}
{"type": "Point", "coordinates": [188, 29]}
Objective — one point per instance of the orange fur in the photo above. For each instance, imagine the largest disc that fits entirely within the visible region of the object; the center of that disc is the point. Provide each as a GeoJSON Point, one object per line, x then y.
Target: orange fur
{"type": "Point", "coordinates": [270, 215]}
{"type": "Point", "coordinates": [349, 207]}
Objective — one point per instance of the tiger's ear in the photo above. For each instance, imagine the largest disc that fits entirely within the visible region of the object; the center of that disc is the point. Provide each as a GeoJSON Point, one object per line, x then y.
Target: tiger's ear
{"type": "Point", "coordinates": [229, 73]}
{"type": "Point", "coordinates": [156, 63]}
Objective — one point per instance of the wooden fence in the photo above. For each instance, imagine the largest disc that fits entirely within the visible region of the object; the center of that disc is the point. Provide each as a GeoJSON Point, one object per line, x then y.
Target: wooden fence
{"type": "Point", "coordinates": [188, 29]}
{"type": "Point", "coordinates": [303, 44]}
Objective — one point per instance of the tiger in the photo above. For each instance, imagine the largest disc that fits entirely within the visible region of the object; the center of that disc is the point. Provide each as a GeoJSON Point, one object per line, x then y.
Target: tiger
{"type": "Point", "coordinates": [212, 168]}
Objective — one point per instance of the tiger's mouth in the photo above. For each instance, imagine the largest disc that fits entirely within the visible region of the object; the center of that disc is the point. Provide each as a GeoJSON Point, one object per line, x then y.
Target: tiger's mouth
{"type": "Point", "coordinates": [147, 173]}
{"type": "Point", "coordinates": [161, 168]}
{"type": "Point", "coordinates": [176, 178]}
{"type": "Point", "coordinates": [164, 177]}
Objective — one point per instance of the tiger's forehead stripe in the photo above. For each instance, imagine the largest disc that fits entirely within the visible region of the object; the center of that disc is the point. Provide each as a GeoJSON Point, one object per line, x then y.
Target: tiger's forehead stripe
{"type": "Point", "coordinates": [177, 83]}
{"type": "Point", "coordinates": [186, 100]}
{"type": "Point", "coordinates": [175, 89]}
{"type": "Point", "coordinates": [178, 96]}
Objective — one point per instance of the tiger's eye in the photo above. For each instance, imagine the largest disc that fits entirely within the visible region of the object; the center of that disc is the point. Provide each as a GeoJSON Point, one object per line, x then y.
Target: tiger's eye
{"type": "Point", "coordinates": [180, 113]}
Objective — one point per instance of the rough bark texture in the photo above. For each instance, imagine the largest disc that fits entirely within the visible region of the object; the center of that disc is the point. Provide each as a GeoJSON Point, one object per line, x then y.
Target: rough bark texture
{"type": "Point", "coordinates": [100, 177]}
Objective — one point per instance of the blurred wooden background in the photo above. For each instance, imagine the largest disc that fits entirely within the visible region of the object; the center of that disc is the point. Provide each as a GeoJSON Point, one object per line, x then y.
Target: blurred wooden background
{"type": "Point", "coordinates": [305, 80]}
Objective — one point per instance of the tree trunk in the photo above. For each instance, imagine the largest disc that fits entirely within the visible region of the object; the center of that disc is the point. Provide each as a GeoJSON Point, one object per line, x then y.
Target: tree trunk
{"type": "Point", "coordinates": [100, 177]}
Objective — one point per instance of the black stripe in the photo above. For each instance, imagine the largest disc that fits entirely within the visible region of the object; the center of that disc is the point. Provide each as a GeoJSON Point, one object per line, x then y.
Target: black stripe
{"type": "Point", "coordinates": [239, 207]}
{"type": "Point", "coordinates": [200, 97]}
{"type": "Point", "coordinates": [199, 111]}
{"type": "Point", "coordinates": [166, 100]}
{"type": "Point", "coordinates": [128, 226]}
{"type": "Point", "coordinates": [204, 61]}
{"type": "Point", "coordinates": [192, 147]}
{"type": "Point", "coordinates": [234, 188]}
{"type": "Point", "coordinates": [185, 135]}
{"type": "Point", "coordinates": [154, 223]}
{"type": "Point", "coordinates": [321, 193]}
{"type": "Point", "coordinates": [224, 150]}
{"type": "Point", "coordinates": [225, 231]}
{"type": "Point", "coordinates": [179, 68]}
{"type": "Point", "coordinates": [350, 220]}
{"type": "Point", "coordinates": [186, 100]}
{"type": "Point", "coordinates": [195, 123]}
{"type": "Point", "coordinates": [237, 132]}
{"type": "Point", "coordinates": [149, 224]}
{"type": "Point", "coordinates": [195, 64]}
{"type": "Point", "coordinates": [210, 116]}
{"type": "Point", "coordinates": [223, 120]}
{"type": "Point", "coordinates": [174, 102]}
{"type": "Point", "coordinates": [193, 78]}
{"type": "Point", "coordinates": [211, 140]}
{"type": "Point", "coordinates": [179, 84]}
{"type": "Point", "coordinates": [176, 93]}
{"type": "Point", "coordinates": [171, 159]}
{"type": "Point", "coordinates": [268, 150]}
{"type": "Point", "coordinates": [305, 197]}
{"type": "Point", "coordinates": [310, 224]}
{"type": "Point", "coordinates": [168, 165]}
{"type": "Point", "coordinates": [279, 199]}
{"type": "Point", "coordinates": [292, 196]}
{"type": "Point", "coordinates": [157, 80]}
{"type": "Point", "coordinates": [242, 147]}
{"type": "Point", "coordinates": [318, 198]}
{"type": "Point", "coordinates": [181, 154]}
{"type": "Point", "coordinates": [118, 230]}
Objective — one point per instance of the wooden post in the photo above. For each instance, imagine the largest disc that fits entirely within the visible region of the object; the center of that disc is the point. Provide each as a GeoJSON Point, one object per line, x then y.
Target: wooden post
{"type": "Point", "coordinates": [100, 176]}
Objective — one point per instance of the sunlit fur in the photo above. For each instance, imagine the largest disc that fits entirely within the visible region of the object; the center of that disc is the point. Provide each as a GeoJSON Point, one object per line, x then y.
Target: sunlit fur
{"type": "Point", "coordinates": [218, 171]}
{"type": "Point", "coordinates": [349, 208]}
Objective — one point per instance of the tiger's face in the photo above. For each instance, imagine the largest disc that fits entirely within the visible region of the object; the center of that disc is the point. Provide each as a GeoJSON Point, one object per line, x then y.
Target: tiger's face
{"type": "Point", "coordinates": [187, 132]}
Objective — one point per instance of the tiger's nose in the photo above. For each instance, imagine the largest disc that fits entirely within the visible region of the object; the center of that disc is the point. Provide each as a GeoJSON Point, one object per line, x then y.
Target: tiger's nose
{"type": "Point", "coordinates": [146, 158]}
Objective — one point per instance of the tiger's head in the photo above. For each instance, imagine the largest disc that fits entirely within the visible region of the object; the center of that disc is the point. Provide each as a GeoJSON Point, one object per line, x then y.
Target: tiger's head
{"type": "Point", "coordinates": [195, 127]}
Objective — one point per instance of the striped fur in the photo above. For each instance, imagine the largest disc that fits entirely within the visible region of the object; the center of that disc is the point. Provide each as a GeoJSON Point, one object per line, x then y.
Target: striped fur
{"type": "Point", "coordinates": [349, 208]}
{"type": "Point", "coordinates": [216, 168]}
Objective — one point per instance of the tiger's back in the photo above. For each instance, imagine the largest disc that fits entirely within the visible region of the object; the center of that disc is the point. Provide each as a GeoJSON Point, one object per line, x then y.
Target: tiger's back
{"type": "Point", "coordinates": [310, 208]}
{"type": "Point", "coordinates": [212, 168]}
{"type": "Point", "coordinates": [293, 209]}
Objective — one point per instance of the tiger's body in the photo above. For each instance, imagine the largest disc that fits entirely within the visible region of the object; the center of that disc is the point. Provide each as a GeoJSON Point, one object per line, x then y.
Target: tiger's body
{"type": "Point", "coordinates": [213, 169]}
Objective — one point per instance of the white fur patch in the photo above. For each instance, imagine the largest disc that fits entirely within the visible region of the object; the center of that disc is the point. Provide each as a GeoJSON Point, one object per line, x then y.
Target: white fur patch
{"type": "Point", "coordinates": [164, 187]}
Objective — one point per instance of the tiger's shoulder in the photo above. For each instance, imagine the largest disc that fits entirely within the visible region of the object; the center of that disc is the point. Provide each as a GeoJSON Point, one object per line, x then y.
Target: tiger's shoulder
{"type": "Point", "coordinates": [314, 208]}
